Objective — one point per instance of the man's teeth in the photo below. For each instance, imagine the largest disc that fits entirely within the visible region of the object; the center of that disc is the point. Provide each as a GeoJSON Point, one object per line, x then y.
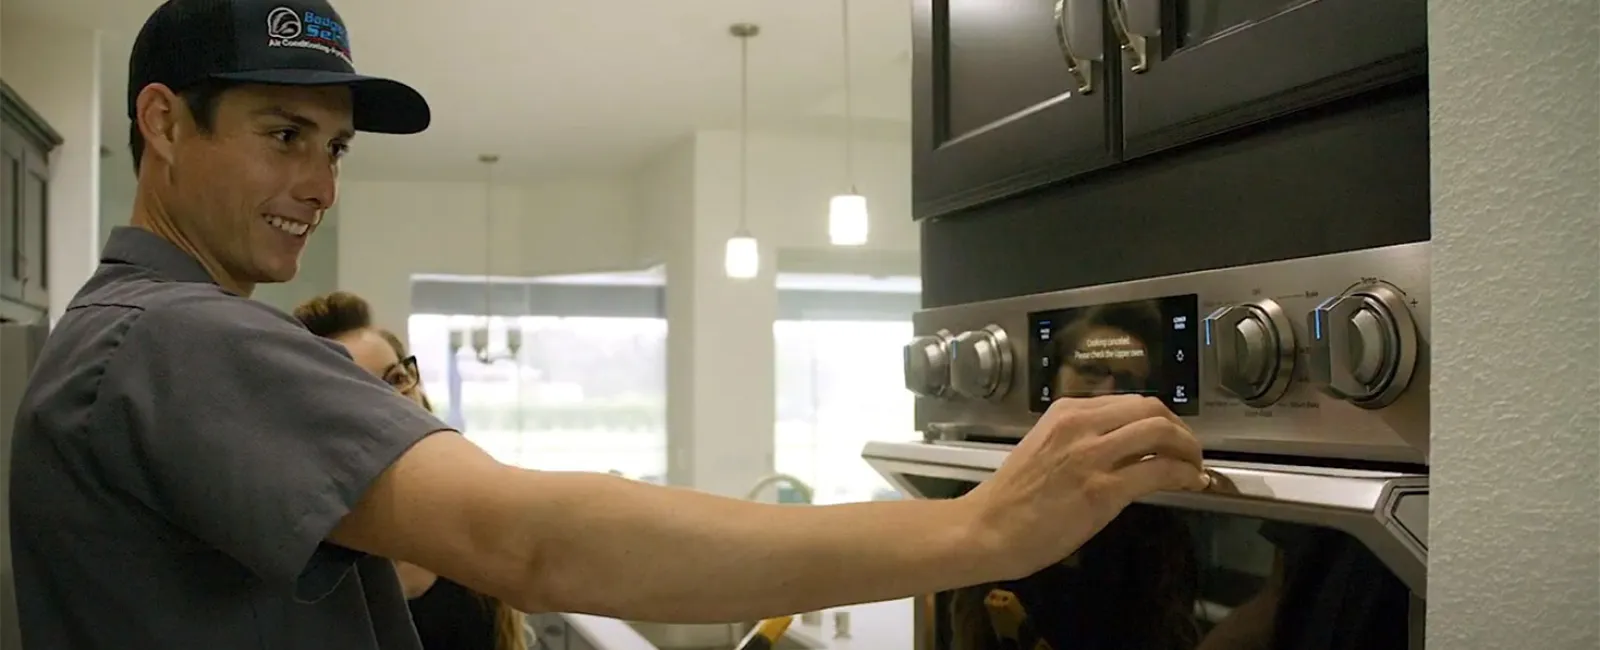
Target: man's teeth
{"type": "Point", "coordinates": [292, 227]}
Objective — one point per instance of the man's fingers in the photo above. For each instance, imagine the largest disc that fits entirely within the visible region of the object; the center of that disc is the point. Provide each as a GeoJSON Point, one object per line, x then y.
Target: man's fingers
{"type": "Point", "coordinates": [1158, 474]}
{"type": "Point", "coordinates": [1149, 436]}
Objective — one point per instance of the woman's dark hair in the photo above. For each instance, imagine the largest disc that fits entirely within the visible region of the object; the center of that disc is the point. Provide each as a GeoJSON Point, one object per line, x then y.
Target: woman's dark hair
{"type": "Point", "coordinates": [333, 314]}
{"type": "Point", "coordinates": [341, 312]}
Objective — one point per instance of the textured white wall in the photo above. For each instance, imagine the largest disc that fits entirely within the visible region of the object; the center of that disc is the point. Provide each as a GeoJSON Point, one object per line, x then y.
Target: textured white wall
{"type": "Point", "coordinates": [1515, 526]}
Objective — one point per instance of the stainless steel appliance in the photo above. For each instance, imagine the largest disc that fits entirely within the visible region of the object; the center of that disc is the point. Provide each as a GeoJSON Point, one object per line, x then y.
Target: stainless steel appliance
{"type": "Point", "coordinates": [1306, 379]}
{"type": "Point", "coordinates": [19, 349]}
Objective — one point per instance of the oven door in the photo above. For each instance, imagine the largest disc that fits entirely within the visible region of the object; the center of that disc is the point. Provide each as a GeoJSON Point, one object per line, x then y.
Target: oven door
{"type": "Point", "coordinates": [1274, 558]}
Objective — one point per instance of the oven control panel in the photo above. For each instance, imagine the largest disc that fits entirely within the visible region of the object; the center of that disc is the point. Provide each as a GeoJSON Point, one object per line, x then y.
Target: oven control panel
{"type": "Point", "coordinates": [1323, 356]}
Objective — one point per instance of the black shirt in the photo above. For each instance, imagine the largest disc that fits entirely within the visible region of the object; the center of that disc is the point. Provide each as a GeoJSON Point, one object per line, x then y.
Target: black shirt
{"type": "Point", "coordinates": [181, 455]}
{"type": "Point", "coordinates": [451, 617]}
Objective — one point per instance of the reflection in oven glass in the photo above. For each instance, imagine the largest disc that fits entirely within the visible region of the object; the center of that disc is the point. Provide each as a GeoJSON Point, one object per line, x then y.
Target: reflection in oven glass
{"type": "Point", "coordinates": [1164, 579]}
{"type": "Point", "coordinates": [1199, 20]}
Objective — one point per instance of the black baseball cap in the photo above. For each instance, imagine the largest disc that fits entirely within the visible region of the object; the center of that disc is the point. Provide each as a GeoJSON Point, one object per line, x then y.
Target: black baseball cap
{"type": "Point", "coordinates": [278, 42]}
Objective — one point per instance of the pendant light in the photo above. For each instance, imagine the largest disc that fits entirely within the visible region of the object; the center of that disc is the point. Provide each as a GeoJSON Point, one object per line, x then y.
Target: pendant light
{"type": "Point", "coordinates": [480, 335]}
{"type": "Point", "coordinates": [742, 258]}
{"type": "Point", "coordinates": [847, 213]}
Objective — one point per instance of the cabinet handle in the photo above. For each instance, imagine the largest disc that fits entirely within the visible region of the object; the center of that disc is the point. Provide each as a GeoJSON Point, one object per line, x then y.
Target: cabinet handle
{"type": "Point", "coordinates": [1078, 22]}
{"type": "Point", "coordinates": [21, 247]}
{"type": "Point", "coordinates": [1135, 26]}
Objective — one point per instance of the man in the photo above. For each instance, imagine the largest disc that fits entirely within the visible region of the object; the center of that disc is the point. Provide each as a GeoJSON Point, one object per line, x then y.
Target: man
{"type": "Point", "coordinates": [192, 469]}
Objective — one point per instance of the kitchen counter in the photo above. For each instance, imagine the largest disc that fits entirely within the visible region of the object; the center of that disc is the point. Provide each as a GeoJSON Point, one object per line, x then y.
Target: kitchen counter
{"type": "Point", "coordinates": [874, 626]}
{"type": "Point", "coordinates": [888, 625]}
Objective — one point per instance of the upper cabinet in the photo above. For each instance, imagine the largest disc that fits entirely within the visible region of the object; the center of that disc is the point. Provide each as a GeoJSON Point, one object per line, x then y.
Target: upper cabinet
{"type": "Point", "coordinates": [1009, 94]}
{"type": "Point", "coordinates": [25, 145]}
{"type": "Point", "coordinates": [1014, 94]}
{"type": "Point", "coordinates": [1193, 68]}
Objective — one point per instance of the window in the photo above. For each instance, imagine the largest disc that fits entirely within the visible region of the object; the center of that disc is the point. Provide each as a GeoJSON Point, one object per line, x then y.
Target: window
{"type": "Point", "coordinates": [839, 385]}
{"type": "Point", "coordinates": [584, 393]}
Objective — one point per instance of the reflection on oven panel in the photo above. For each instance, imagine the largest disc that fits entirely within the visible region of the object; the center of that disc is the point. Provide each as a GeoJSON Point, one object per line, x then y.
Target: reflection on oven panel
{"type": "Point", "coordinates": [1167, 579]}
{"type": "Point", "coordinates": [1145, 347]}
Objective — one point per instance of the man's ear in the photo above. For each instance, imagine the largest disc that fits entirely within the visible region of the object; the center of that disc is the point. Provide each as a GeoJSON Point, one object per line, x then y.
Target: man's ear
{"type": "Point", "coordinates": [159, 113]}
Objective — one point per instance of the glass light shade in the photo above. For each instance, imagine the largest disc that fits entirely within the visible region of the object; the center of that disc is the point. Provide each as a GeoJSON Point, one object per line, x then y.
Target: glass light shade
{"type": "Point", "coordinates": [742, 259]}
{"type": "Point", "coordinates": [847, 220]}
{"type": "Point", "coordinates": [480, 340]}
{"type": "Point", "coordinates": [513, 338]}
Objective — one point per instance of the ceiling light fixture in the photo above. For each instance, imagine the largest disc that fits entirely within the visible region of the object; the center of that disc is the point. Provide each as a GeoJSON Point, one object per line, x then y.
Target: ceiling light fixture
{"type": "Point", "coordinates": [847, 213]}
{"type": "Point", "coordinates": [480, 334]}
{"type": "Point", "coordinates": [742, 258]}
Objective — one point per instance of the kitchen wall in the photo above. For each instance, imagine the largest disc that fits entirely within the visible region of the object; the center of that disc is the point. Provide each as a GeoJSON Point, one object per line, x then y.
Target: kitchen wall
{"type": "Point", "coordinates": [390, 230]}
{"type": "Point", "coordinates": [57, 72]}
{"type": "Point", "coordinates": [676, 210]}
{"type": "Point", "coordinates": [1515, 519]}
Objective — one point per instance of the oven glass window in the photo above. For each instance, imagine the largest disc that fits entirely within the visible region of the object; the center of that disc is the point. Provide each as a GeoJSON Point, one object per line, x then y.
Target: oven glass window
{"type": "Point", "coordinates": [1201, 20]}
{"type": "Point", "coordinates": [1165, 579]}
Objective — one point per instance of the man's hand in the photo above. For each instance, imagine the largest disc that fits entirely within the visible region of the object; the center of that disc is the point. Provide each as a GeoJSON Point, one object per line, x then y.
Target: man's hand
{"type": "Point", "coordinates": [1084, 462]}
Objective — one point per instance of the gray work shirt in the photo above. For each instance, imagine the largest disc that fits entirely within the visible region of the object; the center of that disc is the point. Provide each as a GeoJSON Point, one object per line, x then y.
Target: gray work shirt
{"type": "Point", "coordinates": [181, 455]}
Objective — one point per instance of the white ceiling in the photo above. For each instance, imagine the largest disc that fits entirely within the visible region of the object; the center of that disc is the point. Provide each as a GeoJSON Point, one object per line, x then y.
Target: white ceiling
{"type": "Point", "coordinates": [577, 86]}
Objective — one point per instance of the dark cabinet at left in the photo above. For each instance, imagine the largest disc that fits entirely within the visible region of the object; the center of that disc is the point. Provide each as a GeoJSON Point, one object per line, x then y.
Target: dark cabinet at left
{"type": "Point", "coordinates": [25, 145]}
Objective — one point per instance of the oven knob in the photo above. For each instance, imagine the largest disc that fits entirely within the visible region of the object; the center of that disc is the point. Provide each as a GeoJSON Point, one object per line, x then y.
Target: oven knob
{"type": "Point", "coordinates": [1251, 349]}
{"type": "Point", "coordinates": [1364, 345]}
{"type": "Point", "coordinates": [980, 363]}
{"type": "Point", "coordinates": [927, 364]}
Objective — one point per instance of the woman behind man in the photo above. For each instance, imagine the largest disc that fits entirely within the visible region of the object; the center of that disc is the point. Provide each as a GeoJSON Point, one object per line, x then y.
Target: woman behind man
{"type": "Point", "coordinates": [448, 616]}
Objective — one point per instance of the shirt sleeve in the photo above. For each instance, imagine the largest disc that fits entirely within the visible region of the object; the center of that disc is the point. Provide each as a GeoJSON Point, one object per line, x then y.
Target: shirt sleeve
{"type": "Point", "coordinates": [251, 434]}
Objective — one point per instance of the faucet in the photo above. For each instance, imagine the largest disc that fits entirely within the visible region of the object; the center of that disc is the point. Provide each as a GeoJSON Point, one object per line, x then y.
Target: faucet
{"type": "Point", "coordinates": [800, 486]}
{"type": "Point", "coordinates": [808, 496]}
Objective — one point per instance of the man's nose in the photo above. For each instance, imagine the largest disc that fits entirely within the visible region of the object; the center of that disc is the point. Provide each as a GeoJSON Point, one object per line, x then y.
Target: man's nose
{"type": "Point", "coordinates": [318, 184]}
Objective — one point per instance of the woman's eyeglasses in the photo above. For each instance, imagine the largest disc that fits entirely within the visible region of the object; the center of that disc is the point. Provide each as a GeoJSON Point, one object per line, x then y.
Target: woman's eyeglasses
{"type": "Point", "coordinates": [403, 376]}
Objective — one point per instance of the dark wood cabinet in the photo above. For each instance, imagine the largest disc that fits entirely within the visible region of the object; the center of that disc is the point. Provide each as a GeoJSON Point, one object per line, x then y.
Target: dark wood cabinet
{"type": "Point", "coordinates": [25, 145]}
{"type": "Point", "coordinates": [1193, 68]}
{"type": "Point", "coordinates": [1010, 95]}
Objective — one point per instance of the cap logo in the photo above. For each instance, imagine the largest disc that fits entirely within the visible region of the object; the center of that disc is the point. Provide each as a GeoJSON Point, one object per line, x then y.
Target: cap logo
{"type": "Point", "coordinates": [308, 30]}
{"type": "Point", "coordinates": [283, 23]}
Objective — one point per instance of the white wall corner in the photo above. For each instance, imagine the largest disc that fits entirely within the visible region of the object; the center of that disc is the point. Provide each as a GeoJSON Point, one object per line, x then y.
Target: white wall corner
{"type": "Point", "coordinates": [1515, 149]}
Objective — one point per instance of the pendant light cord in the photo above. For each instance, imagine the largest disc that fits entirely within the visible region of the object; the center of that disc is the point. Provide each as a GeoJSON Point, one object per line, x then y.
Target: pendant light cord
{"type": "Point", "coordinates": [849, 100]}
{"type": "Point", "coordinates": [744, 132]}
{"type": "Point", "coordinates": [488, 237]}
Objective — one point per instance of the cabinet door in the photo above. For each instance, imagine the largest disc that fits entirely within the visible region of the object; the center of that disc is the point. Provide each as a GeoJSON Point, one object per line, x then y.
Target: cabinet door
{"type": "Point", "coordinates": [1192, 68]}
{"type": "Point", "coordinates": [1008, 95]}
{"type": "Point", "coordinates": [35, 194]}
{"type": "Point", "coordinates": [11, 166]}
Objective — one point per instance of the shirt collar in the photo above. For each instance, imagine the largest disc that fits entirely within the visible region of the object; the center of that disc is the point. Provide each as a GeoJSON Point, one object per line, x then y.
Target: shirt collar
{"type": "Point", "coordinates": [140, 247]}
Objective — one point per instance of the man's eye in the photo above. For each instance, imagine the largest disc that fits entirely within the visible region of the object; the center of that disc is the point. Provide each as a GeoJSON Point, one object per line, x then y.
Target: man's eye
{"type": "Point", "coordinates": [339, 150]}
{"type": "Point", "coordinates": [286, 136]}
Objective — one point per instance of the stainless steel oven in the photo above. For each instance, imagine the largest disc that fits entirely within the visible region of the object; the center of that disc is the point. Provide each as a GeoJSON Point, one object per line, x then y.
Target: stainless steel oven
{"type": "Point", "coordinates": [1307, 381]}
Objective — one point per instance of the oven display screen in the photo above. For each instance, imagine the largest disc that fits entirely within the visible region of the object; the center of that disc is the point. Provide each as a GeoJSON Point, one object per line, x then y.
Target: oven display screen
{"type": "Point", "coordinates": [1149, 347]}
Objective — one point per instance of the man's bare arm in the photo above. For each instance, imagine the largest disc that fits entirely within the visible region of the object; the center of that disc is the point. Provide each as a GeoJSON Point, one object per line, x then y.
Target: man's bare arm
{"type": "Point", "coordinates": [679, 555]}
{"type": "Point", "coordinates": [590, 543]}
{"type": "Point", "coordinates": [599, 544]}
